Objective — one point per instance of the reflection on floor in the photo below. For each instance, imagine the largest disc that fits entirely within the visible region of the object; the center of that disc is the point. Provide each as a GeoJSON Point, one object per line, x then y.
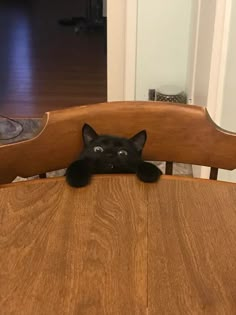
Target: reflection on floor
{"type": "Point", "coordinates": [45, 66]}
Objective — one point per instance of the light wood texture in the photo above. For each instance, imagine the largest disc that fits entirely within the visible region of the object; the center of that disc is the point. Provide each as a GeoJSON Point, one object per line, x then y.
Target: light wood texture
{"type": "Point", "coordinates": [178, 133]}
{"type": "Point", "coordinates": [73, 252]}
{"type": "Point", "coordinates": [191, 247]}
{"type": "Point", "coordinates": [118, 247]}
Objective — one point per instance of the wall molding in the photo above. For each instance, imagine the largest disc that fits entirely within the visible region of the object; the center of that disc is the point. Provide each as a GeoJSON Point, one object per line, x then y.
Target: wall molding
{"type": "Point", "coordinates": [121, 49]}
{"type": "Point", "coordinates": [116, 24]}
{"type": "Point", "coordinates": [130, 50]}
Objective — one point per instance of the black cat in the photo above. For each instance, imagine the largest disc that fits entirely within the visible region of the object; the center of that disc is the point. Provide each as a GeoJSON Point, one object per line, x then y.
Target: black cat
{"type": "Point", "coordinates": [109, 154]}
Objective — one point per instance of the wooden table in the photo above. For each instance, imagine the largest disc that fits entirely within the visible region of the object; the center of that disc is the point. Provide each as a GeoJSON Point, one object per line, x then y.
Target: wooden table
{"type": "Point", "coordinates": [118, 246]}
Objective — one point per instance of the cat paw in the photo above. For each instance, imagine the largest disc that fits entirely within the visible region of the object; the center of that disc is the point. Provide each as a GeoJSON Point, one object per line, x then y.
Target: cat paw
{"type": "Point", "coordinates": [78, 174]}
{"type": "Point", "coordinates": [148, 172]}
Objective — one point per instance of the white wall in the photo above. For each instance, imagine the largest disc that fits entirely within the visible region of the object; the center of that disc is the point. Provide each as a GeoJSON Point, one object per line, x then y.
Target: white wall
{"type": "Point", "coordinates": [228, 116]}
{"type": "Point", "coordinates": [228, 111]}
{"type": "Point", "coordinates": [162, 44]}
{"type": "Point", "coordinates": [204, 12]}
{"type": "Point", "coordinates": [199, 58]}
{"type": "Point", "coordinates": [213, 66]}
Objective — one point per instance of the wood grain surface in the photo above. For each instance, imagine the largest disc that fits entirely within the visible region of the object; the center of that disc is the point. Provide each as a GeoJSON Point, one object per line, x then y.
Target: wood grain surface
{"type": "Point", "coordinates": [176, 133]}
{"type": "Point", "coordinates": [192, 248]}
{"type": "Point", "coordinates": [118, 247]}
{"type": "Point", "coordinates": [73, 252]}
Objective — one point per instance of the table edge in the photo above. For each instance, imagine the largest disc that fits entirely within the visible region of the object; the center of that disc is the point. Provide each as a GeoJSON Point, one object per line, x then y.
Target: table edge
{"type": "Point", "coordinates": [101, 176]}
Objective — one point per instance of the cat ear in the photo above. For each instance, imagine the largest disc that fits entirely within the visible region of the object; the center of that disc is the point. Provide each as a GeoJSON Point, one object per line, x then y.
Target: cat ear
{"type": "Point", "coordinates": [139, 140]}
{"type": "Point", "coordinates": [89, 134]}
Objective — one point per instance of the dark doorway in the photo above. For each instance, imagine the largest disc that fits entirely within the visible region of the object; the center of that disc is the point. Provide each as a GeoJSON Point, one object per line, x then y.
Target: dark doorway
{"type": "Point", "coordinates": [45, 65]}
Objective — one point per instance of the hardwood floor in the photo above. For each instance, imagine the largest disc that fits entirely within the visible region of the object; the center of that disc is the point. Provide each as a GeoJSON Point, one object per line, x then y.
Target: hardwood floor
{"type": "Point", "coordinates": [45, 66]}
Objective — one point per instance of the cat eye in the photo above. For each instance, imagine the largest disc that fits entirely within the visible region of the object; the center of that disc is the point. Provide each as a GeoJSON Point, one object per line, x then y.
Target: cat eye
{"type": "Point", "coordinates": [98, 149]}
{"type": "Point", "coordinates": [122, 153]}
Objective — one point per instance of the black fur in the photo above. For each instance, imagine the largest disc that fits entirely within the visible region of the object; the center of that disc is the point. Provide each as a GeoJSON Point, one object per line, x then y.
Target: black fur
{"type": "Point", "coordinates": [109, 154]}
{"type": "Point", "coordinates": [148, 172]}
{"type": "Point", "coordinates": [79, 173]}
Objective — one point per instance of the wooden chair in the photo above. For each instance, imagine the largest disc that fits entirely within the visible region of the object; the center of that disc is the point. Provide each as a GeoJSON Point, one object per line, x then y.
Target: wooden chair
{"type": "Point", "coordinates": [176, 133]}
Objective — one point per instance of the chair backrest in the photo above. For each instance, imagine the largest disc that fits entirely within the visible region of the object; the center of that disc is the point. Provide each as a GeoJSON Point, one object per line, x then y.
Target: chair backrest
{"type": "Point", "coordinates": [176, 133]}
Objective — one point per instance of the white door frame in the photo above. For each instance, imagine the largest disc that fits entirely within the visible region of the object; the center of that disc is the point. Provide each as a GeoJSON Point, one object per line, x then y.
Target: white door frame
{"type": "Point", "coordinates": [130, 49]}
{"type": "Point", "coordinates": [218, 59]}
{"type": "Point", "coordinates": [217, 66]}
{"type": "Point", "coordinates": [121, 49]}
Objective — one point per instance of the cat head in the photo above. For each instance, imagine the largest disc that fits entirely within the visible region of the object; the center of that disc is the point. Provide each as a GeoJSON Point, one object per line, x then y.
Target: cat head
{"type": "Point", "coordinates": [111, 153]}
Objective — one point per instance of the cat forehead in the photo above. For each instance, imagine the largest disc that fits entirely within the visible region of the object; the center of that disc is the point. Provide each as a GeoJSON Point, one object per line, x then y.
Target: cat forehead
{"type": "Point", "coordinates": [111, 141]}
